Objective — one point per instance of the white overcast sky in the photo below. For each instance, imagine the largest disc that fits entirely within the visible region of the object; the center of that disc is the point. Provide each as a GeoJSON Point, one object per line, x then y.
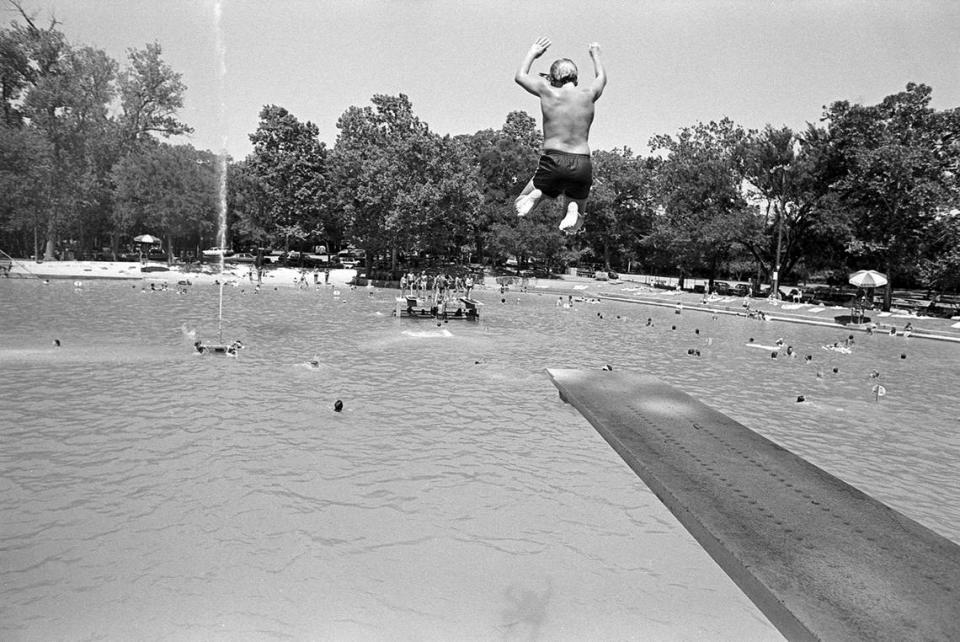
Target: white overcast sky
{"type": "Point", "coordinates": [671, 63]}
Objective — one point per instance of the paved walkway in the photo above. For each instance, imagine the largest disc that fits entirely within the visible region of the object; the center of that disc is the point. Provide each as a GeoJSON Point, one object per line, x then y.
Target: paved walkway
{"type": "Point", "coordinates": [807, 313]}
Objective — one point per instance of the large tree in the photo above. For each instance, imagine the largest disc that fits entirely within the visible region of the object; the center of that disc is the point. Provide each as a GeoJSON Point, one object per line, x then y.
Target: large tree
{"type": "Point", "coordinates": [168, 191]}
{"type": "Point", "coordinates": [384, 169]}
{"type": "Point", "coordinates": [69, 107]}
{"type": "Point", "coordinates": [894, 177]}
{"type": "Point", "coordinates": [26, 166]}
{"type": "Point", "coordinates": [702, 209]}
{"type": "Point", "coordinates": [151, 94]}
{"type": "Point", "coordinates": [289, 163]}
{"type": "Point", "coordinates": [505, 160]}
{"type": "Point", "coordinates": [621, 206]}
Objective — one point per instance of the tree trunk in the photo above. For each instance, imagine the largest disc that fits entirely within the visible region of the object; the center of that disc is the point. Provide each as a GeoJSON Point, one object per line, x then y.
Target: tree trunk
{"type": "Point", "coordinates": [888, 292]}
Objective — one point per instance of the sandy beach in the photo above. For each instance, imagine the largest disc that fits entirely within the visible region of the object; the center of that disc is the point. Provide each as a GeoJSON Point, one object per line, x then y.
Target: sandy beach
{"type": "Point", "coordinates": [160, 272]}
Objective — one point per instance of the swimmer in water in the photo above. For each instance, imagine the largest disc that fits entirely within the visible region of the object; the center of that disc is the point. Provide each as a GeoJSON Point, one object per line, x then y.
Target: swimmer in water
{"type": "Point", "coordinates": [565, 166]}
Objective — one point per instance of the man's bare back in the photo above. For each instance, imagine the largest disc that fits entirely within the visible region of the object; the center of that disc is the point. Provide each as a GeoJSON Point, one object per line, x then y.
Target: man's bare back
{"type": "Point", "coordinates": [567, 115]}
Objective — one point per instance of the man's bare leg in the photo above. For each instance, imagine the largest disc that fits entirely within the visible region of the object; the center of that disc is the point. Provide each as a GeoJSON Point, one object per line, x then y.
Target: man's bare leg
{"type": "Point", "coordinates": [573, 220]}
{"type": "Point", "coordinates": [529, 198]}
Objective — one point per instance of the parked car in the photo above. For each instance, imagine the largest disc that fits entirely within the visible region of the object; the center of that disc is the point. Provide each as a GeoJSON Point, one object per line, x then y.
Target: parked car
{"type": "Point", "coordinates": [350, 260]}
{"type": "Point", "coordinates": [723, 288]}
{"type": "Point", "coordinates": [213, 254]}
{"type": "Point", "coordinates": [726, 288]}
{"type": "Point", "coordinates": [241, 257]}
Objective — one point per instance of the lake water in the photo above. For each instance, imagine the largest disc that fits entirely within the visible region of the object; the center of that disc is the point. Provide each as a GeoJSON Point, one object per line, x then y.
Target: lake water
{"type": "Point", "coordinates": [147, 492]}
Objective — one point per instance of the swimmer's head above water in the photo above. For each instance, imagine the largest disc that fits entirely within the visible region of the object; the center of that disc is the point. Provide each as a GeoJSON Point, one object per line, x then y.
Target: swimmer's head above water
{"type": "Point", "coordinates": [562, 71]}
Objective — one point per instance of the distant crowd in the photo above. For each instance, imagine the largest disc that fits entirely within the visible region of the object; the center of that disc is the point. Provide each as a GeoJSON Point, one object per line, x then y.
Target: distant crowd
{"type": "Point", "coordinates": [440, 286]}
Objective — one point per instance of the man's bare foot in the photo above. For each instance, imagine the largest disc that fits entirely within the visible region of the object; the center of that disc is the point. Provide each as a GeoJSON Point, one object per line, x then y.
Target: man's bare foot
{"type": "Point", "coordinates": [573, 221]}
{"type": "Point", "coordinates": [526, 202]}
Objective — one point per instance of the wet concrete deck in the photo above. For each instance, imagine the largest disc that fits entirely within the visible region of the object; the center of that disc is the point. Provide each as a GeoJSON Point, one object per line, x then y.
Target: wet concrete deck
{"type": "Point", "coordinates": [820, 558]}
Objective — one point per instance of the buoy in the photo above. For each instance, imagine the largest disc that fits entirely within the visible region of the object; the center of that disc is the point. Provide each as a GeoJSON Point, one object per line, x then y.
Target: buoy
{"type": "Point", "coordinates": [338, 406]}
{"type": "Point", "coordinates": [801, 398]}
{"type": "Point", "coordinates": [56, 342]}
{"type": "Point", "coordinates": [903, 355]}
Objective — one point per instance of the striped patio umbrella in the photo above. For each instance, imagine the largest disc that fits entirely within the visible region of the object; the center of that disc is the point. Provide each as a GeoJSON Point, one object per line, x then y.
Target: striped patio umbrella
{"type": "Point", "coordinates": [868, 279]}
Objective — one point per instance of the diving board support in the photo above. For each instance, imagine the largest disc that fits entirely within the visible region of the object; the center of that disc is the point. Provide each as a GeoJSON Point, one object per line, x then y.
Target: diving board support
{"type": "Point", "coordinates": [821, 559]}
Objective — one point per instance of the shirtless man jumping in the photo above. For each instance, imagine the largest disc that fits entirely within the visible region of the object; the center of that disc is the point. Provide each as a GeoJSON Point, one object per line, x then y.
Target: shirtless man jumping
{"type": "Point", "coordinates": [564, 166]}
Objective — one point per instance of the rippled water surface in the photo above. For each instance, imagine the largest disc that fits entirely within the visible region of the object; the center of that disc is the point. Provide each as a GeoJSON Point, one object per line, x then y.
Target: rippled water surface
{"type": "Point", "coordinates": [147, 492]}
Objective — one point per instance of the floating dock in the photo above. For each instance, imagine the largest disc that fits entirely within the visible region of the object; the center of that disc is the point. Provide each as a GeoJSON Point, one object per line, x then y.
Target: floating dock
{"type": "Point", "coordinates": [467, 311]}
{"type": "Point", "coordinates": [821, 559]}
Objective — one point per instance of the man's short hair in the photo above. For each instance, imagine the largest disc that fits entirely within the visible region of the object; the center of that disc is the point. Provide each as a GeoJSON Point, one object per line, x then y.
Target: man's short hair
{"type": "Point", "coordinates": [562, 71]}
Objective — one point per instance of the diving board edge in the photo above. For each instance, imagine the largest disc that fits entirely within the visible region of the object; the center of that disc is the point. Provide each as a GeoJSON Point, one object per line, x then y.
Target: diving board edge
{"type": "Point", "coordinates": [818, 557]}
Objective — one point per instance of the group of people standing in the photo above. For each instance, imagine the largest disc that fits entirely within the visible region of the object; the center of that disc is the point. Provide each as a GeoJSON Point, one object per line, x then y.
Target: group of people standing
{"type": "Point", "coordinates": [439, 285]}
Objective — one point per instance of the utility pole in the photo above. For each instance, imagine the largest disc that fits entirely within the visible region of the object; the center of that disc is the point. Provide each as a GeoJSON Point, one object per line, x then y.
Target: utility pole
{"type": "Point", "coordinates": [783, 207]}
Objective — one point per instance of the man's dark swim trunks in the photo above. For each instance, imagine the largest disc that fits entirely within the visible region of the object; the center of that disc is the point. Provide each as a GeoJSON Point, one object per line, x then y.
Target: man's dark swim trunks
{"type": "Point", "coordinates": [564, 173]}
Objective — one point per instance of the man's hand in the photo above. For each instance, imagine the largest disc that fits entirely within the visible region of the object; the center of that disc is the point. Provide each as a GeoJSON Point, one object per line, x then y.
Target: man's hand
{"type": "Point", "coordinates": [541, 45]}
{"type": "Point", "coordinates": [594, 48]}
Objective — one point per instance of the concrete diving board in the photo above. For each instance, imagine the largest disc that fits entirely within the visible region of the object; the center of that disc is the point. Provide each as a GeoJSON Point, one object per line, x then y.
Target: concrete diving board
{"type": "Point", "coordinates": [821, 559]}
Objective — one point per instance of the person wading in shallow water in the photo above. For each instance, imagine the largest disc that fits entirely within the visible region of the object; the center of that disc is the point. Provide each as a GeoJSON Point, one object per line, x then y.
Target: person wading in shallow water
{"type": "Point", "coordinates": [568, 109]}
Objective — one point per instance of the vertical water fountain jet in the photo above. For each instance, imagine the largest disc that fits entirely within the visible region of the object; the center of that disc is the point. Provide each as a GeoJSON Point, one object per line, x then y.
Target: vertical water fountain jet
{"type": "Point", "coordinates": [221, 160]}
{"type": "Point", "coordinates": [220, 348]}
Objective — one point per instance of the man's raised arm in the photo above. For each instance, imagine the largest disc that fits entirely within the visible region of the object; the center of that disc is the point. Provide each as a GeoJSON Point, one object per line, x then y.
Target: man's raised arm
{"type": "Point", "coordinates": [530, 82]}
{"type": "Point", "coordinates": [600, 78]}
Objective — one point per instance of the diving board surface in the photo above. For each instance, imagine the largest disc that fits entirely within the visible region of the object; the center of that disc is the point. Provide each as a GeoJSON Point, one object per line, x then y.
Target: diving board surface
{"type": "Point", "coordinates": [820, 558]}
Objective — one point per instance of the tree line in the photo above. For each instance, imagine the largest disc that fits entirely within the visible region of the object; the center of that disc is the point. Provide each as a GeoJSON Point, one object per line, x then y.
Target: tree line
{"type": "Point", "coordinates": [84, 166]}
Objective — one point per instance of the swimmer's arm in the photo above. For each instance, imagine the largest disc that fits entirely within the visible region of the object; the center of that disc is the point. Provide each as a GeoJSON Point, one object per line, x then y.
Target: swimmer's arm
{"type": "Point", "coordinates": [533, 84]}
{"type": "Point", "coordinates": [600, 74]}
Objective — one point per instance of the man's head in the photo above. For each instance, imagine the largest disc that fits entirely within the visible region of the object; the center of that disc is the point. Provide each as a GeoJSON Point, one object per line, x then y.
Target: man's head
{"type": "Point", "coordinates": [562, 71]}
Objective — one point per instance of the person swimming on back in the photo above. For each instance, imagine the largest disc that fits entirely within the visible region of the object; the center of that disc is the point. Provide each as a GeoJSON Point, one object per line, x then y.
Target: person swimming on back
{"type": "Point", "coordinates": [568, 111]}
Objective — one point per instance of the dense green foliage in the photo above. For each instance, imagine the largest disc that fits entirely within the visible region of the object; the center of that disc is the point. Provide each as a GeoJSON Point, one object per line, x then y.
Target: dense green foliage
{"type": "Point", "coordinates": [83, 170]}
